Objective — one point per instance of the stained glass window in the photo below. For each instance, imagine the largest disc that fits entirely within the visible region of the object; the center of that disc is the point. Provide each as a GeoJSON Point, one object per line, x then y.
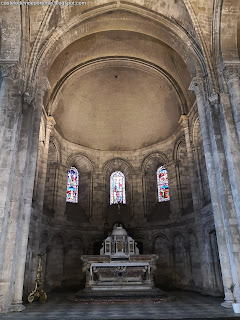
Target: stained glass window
{"type": "Point", "coordinates": [117, 188]}
{"type": "Point", "coordinates": [162, 182]}
{"type": "Point", "coordinates": [72, 186]}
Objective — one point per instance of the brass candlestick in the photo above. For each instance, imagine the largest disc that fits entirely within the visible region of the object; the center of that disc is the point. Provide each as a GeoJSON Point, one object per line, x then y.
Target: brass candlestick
{"type": "Point", "coordinates": [38, 291]}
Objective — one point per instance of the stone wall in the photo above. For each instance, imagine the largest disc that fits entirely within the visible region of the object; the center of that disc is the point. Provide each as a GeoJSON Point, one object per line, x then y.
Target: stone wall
{"type": "Point", "coordinates": [168, 229]}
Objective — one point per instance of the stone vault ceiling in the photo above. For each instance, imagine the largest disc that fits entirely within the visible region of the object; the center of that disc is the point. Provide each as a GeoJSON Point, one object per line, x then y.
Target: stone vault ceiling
{"type": "Point", "coordinates": [117, 108]}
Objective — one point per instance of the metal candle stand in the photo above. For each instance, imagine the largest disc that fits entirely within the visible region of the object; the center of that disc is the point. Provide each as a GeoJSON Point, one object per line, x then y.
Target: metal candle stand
{"type": "Point", "coordinates": [38, 291]}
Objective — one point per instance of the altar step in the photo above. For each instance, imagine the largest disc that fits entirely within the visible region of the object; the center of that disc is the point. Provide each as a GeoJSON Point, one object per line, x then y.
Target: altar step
{"type": "Point", "coordinates": [154, 295]}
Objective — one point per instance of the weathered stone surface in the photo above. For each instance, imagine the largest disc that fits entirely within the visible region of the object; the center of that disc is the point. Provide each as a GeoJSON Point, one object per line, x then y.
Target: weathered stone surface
{"type": "Point", "coordinates": [101, 87]}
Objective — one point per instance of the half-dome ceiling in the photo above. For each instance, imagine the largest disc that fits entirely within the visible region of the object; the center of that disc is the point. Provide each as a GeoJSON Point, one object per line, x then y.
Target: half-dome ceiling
{"type": "Point", "coordinates": [116, 108]}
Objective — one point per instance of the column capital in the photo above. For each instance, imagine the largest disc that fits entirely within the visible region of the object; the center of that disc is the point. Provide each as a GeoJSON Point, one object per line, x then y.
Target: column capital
{"type": "Point", "coordinates": [50, 122]}
{"type": "Point", "coordinates": [28, 98]}
{"type": "Point", "coordinates": [183, 120]}
{"type": "Point", "coordinates": [196, 85]}
{"type": "Point", "coordinates": [214, 100]}
{"type": "Point", "coordinates": [231, 70]}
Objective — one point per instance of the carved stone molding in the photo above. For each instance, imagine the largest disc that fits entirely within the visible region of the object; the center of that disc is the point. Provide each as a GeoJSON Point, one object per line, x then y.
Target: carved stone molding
{"type": "Point", "coordinates": [42, 85]}
{"type": "Point", "coordinates": [196, 85]}
{"type": "Point", "coordinates": [214, 99]}
{"type": "Point", "coordinates": [214, 102]}
{"type": "Point", "coordinates": [183, 120]}
{"type": "Point", "coordinates": [231, 71]}
{"type": "Point", "coordinates": [50, 122]}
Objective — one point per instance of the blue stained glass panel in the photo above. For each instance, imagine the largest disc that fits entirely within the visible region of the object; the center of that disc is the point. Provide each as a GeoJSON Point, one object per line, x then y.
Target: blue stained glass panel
{"type": "Point", "coordinates": [162, 182]}
{"type": "Point", "coordinates": [117, 188]}
{"type": "Point", "coordinates": [72, 186]}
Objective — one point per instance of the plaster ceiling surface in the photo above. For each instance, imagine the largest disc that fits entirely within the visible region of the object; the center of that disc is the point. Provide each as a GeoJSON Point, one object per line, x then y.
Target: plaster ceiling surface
{"type": "Point", "coordinates": [116, 108]}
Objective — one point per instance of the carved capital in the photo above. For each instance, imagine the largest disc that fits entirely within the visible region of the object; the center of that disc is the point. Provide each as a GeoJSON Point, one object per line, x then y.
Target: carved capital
{"type": "Point", "coordinates": [214, 102]}
{"type": "Point", "coordinates": [214, 99]}
{"type": "Point", "coordinates": [50, 122]}
{"type": "Point", "coordinates": [183, 121]}
{"type": "Point", "coordinates": [231, 71]}
{"type": "Point", "coordinates": [196, 85]}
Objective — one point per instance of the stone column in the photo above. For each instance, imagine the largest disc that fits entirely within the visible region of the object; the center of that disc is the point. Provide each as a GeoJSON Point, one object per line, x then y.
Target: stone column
{"type": "Point", "coordinates": [50, 122]}
{"type": "Point", "coordinates": [231, 72]}
{"type": "Point", "coordinates": [33, 136]}
{"type": "Point", "coordinates": [194, 185]}
{"type": "Point", "coordinates": [179, 188]}
{"type": "Point", "coordinates": [187, 248]}
{"type": "Point", "coordinates": [212, 157]}
{"type": "Point", "coordinates": [10, 123]}
{"type": "Point", "coordinates": [195, 196]}
{"type": "Point", "coordinates": [14, 255]}
{"type": "Point", "coordinates": [174, 192]}
{"type": "Point", "coordinates": [231, 147]}
{"type": "Point", "coordinates": [39, 189]}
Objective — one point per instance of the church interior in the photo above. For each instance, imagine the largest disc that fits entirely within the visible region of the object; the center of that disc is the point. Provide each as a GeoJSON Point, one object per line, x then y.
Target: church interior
{"type": "Point", "coordinates": [117, 112]}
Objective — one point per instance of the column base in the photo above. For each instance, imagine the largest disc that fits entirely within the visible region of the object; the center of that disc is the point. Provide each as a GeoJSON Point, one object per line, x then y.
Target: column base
{"type": "Point", "coordinates": [17, 307]}
{"type": "Point", "coordinates": [227, 304]}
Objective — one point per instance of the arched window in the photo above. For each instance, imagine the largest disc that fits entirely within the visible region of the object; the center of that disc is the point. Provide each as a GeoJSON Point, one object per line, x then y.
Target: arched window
{"type": "Point", "coordinates": [72, 186]}
{"type": "Point", "coordinates": [162, 183]}
{"type": "Point", "coordinates": [117, 188]}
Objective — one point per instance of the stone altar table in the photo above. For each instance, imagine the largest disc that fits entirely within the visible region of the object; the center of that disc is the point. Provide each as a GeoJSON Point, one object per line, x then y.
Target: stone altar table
{"type": "Point", "coordinates": [119, 267]}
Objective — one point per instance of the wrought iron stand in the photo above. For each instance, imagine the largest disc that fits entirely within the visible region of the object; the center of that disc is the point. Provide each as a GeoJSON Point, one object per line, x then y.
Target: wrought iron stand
{"type": "Point", "coordinates": [38, 291]}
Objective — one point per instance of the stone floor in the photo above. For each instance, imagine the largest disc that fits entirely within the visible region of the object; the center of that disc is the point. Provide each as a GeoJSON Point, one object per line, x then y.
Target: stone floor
{"type": "Point", "coordinates": [186, 306]}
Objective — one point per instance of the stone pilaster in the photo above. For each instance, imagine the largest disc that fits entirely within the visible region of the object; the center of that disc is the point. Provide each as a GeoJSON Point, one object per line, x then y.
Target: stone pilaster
{"type": "Point", "coordinates": [195, 195]}
{"type": "Point", "coordinates": [14, 255]}
{"type": "Point", "coordinates": [197, 85]}
{"type": "Point", "coordinates": [10, 124]}
{"type": "Point", "coordinates": [33, 134]}
{"type": "Point", "coordinates": [231, 72]}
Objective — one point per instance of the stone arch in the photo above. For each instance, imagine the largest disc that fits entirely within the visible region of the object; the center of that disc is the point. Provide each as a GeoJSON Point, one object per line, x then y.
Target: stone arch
{"type": "Point", "coordinates": [81, 211]}
{"type": "Point", "coordinates": [111, 211]}
{"type": "Point", "coordinates": [52, 177]}
{"type": "Point", "coordinates": [56, 36]}
{"type": "Point", "coordinates": [211, 248]}
{"type": "Point", "coordinates": [192, 255]}
{"type": "Point", "coordinates": [161, 247]}
{"type": "Point", "coordinates": [142, 244]}
{"type": "Point", "coordinates": [159, 158]}
{"type": "Point", "coordinates": [124, 61]}
{"type": "Point", "coordinates": [180, 140]}
{"type": "Point", "coordinates": [80, 160]}
{"type": "Point", "coordinates": [180, 157]}
{"type": "Point", "coordinates": [57, 145]}
{"type": "Point", "coordinates": [72, 264]}
{"type": "Point", "coordinates": [179, 260]}
{"type": "Point", "coordinates": [112, 164]}
{"type": "Point", "coordinates": [200, 162]}
{"type": "Point", "coordinates": [152, 207]}
{"type": "Point", "coordinates": [95, 245]}
{"type": "Point", "coordinates": [119, 164]}
{"type": "Point", "coordinates": [54, 262]}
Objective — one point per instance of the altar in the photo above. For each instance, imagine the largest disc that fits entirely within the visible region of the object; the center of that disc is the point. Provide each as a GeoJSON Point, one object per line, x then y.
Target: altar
{"type": "Point", "coordinates": [119, 267]}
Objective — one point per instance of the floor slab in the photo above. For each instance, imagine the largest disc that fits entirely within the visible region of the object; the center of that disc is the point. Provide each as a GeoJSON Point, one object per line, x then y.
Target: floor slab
{"type": "Point", "coordinates": [187, 305]}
